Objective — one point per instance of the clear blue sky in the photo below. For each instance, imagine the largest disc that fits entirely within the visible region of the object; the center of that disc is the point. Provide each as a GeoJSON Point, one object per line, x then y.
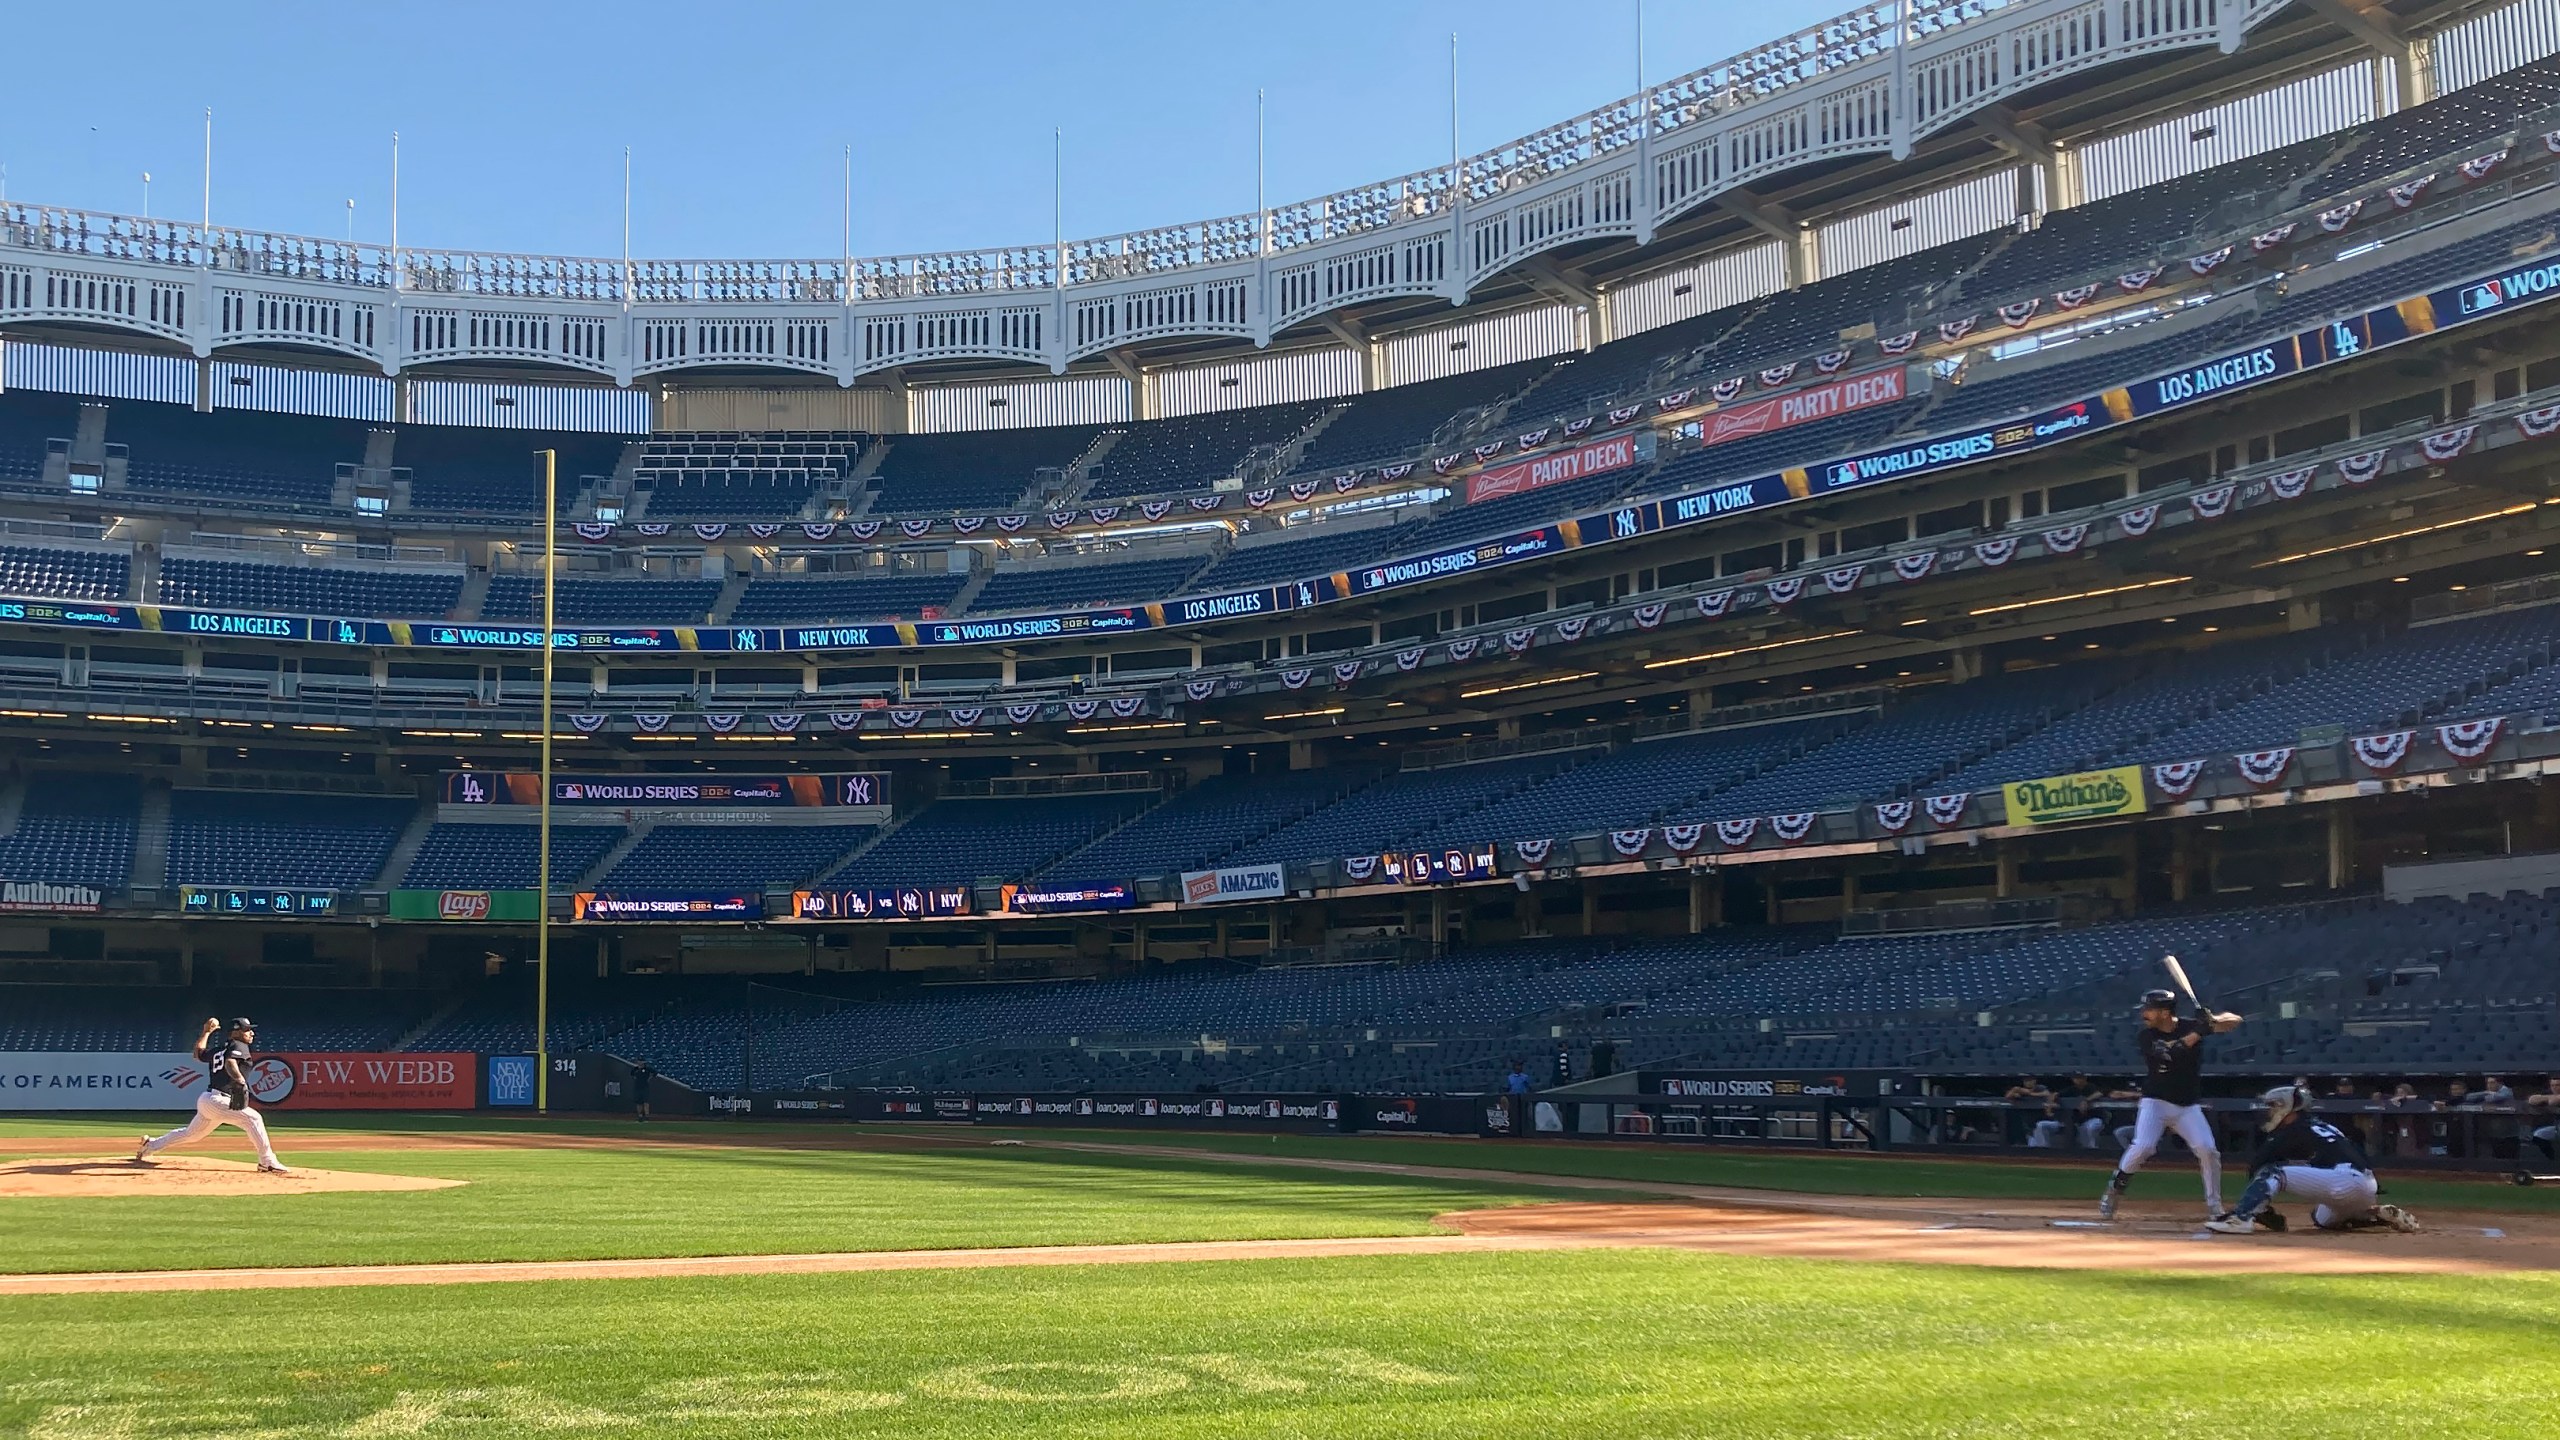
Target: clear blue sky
{"type": "Point", "coordinates": [513, 116]}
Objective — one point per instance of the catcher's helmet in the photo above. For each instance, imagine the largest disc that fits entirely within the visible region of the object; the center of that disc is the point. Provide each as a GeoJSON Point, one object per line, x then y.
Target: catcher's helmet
{"type": "Point", "coordinates": [2282, 1102]}
{"type": "Point", "coordinates": [2159, 1000]}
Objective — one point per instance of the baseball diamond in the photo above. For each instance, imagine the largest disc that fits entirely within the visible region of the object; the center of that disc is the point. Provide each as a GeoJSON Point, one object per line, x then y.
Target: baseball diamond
{"type": "Point", "coordinates": [1856, 743]}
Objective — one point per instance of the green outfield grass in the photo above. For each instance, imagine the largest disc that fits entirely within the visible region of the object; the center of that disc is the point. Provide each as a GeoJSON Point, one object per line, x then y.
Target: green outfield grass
{"type": "Point", "coordinates": [643, 1200]}
{"type": "Point", "coordinates": [1642, 1343]}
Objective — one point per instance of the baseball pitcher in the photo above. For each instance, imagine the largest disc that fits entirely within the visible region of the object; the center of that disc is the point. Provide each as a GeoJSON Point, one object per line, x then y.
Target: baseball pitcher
{"type": "Point", "coordinates": [225, 1101]}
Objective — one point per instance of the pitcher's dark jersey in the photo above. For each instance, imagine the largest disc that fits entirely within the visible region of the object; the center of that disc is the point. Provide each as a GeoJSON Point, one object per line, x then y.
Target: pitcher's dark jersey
{"type": "Point", "coordinates": [2172, 1066]}
{"type": "Point", "coordinates": [224, 1079]}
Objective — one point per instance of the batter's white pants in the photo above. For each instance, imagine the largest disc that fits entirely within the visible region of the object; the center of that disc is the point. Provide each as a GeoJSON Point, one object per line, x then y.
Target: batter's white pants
{"type": "Point", "coordinates": [2341, 1193]}
{"type": "Point", "coordinates": [2155, 1118]}
{"type": "Point", "coordinates": [212, 1110]}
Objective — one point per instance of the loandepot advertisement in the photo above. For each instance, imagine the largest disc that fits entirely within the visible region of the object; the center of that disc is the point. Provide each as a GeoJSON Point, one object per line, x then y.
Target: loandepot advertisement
{"type": "Point", "coordinates": [2075, 797]}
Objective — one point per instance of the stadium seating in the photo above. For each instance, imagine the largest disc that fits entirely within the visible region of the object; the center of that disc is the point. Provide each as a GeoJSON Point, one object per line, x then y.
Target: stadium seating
{"type": "Point", "coordinates": [237, 455]}
{"type": "Point", "coordinates": [463, 468]}
{"type": "Point", "coordinates": [1085, 582]}
{"type": "Point", "coordinates": [310, 589]}
{"type": "Point", "coordinates": [500, 856]}
{"type": "Point", "coordinates": [1188, 452]}
{"type": "Point", "coordinates": [973, 469]}
{"type": "Point", "coordinates": [862, 596]}
{"type": "Point", "coordinates": [583, 601]}
{"type": "Point", "coordinates": [321, 842]}
{"type": "Point", "coordinates": [1208, 822]}
{"type": "Point", "coordinates": [957, 840]}
{"type": "Point", "coordinates": [29, 422]}
{"type": "Point", "coordinates": [65, 574]}
{"type": "Point", "coordinates": [722, 857]}
{"type": "Point", "coordinates": [1322, 550]}
{"type": "Point", "coordinates": [74, 829]}
{"type": "Point", "coordinates": [1405, 807]}
{"type": "Point", "coordinates": [1399, 422]}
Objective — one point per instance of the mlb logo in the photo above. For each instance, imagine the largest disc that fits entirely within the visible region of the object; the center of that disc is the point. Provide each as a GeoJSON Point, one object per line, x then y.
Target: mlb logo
{"type": "Point", "coordinates": [511, 1080]}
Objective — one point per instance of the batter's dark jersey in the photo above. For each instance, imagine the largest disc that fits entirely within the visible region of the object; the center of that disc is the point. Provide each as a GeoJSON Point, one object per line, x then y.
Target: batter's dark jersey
{"type": "Point", "coordinates": [219, 1081]}
{"type": "Point", "coordinates": [2172, 1069]}
{"type": "Point", "coordinates": [2305, 1139]}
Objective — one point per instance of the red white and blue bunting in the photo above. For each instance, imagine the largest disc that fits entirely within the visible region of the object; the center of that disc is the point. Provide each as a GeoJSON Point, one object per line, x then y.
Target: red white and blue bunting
{"type": "Point", "coordinates": [1894, 816]}
{"type": "Point", "coordinates": [2445, 444]}
{"type": "Point", "coordinates": [2360, 469]}
{"type": "Point", "coordinates": [1945, 810]}
{"type": "Point", "coordinates": [2382, 753]}
{"type": "Point", "coordinates": [2137, 522]}
{"type": "Point", "coordinates": [2064, 539]}
{"type": "Point", "coordinates": [2292, 484]}
{"type": "Point", "coordinates": [1783, 589]}
{"type": "Point", "coordinates": [1792, 828]}
{"type": "Point", "coordinates": [1683, 839]}
{"type": "Point", "coordinates": [1714, 603]}
{"type": "Point", "coordinates": [2535, 424]}
{"type": "Point", "coordinates": [1844, 579]}
{"type": "Point", "coordinates": [2176, 778]}
{"type": "Point", "coordinates": [2264, 769]}
{"type": "Point", "coordinates": [723, 722]}
{"type": "Point", "coordinates": [1734, 834]}
{"type": "Point", "coordinates": [2470, 739]}
{"type": "Point", "coordinates": [1534, 852]}
{"type": "Point", "coordinates": [2212, 504]}
{"type": "Point", "coordinates": [1997, 551]}
{"type": "Point", "coordinates": [1915, 566]}
{"type": "Point", "coordinates": [1630, 842]}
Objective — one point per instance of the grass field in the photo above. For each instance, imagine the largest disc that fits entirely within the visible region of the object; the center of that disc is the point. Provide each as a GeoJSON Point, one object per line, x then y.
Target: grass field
{"type": "Point", "coordinates": [1598, 1343]}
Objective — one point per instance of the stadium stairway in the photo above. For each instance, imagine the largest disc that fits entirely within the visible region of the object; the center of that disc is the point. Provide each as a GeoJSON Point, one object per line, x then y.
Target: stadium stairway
{"type": "Point", "coordinates": [13, 803]}
{"type": "Point", "coordinates": [151, 838]}
{"type": "Point", "coordinates": [475, 594]}
{"type": "Point", "coordinates": [734, 589]}
{"type": "Point", "coordinates": [896, 823]}
{"type": "Point", "coordinates": [630, 841]}
{"type": "Point", "coordinates": [404, 850]}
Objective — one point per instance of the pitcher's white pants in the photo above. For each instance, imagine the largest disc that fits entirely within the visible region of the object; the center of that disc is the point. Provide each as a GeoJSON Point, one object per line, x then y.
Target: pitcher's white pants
{"type": "Point", "coordinates": [2155, 1118]}
{"type": "Point", "coordinates": [2339, 1193]}
{"type": "Point", "coordinates": [212, 1110]}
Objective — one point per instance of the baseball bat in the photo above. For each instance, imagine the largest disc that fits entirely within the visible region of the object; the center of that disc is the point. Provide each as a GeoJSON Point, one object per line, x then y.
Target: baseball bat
{"type": "Point", "coordinates": [2178, 977]}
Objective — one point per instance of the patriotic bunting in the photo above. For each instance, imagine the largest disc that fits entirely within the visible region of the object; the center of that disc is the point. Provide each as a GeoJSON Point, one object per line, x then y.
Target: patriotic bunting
{"type": "Point", "coordinates": [969, 524]}
{"type": "Point", "coordinates": [1026, 713]}
{"type": "Point", "coordinates": [1945, 810]}
{"type": "Point", "coordinates": [1440, 465]}
{"type": "Point", "coordinates": [593, 530]}
{"type": "Point", "coordinates": [1463, 649]}
{"type": "Point", "coordinates": [2470, 739]}
{"type": "Point", "coordinates": [1574, 628]}
{"type": "Point", "coordinates": [1303, 489]}
{"type": "Point", "coordinates": [2137, 280]}
{"type": "Point", "coordinates": [1359, 867]}
{"type": "Point", "coordinates": [2445, 444]}
{"type": "Point", "coordinates": [2210, 261]}
{"type": "Point", "coordinates": [2340, 217]}
{"type": "Point", "coordinates": [1536, 438]}
{"type": "Point", "coordinates": [1257, 499]}
{"type": "Point", "coordinates": [965, 716]}
{"type": "Point", "coordinates": [653, 530]}
{"type": "Point", "coordinates": [1683, 838]}
{"type": "Point", "coordinates": [2535, 424]}
{"type": "Point", "coordinates": [2265, 241]}
{"type": "Point", "coordinates": [1649, 616]}
{"type": "Point", "coordinates": [1083, 709]}
{"type": "Point", "coordinates": [764, 532]}
{"type": "Point", "coordinates": [1125, 706]}
{"type": "Point", "coordinates": [913, 529]}
{"type": "Point", "coordinates": [1199, 689]}
{"type": "Point", "coordinates": [1488, 449]}
{"type": "Point", "coordinates": [1996, 551]}
{"type": "Point", "coordinates": [783, 724]}
{"type": "Point", "coordinates": [1409, 659]}
{"type": "Point", "coordinates": [1629, 843]}
{"type": "Point", "coordinates": [2358, 469]}
{"type": "Point", "coordinates": [2018, 312]}
{"type": "Point", "coordinates": [1899, 344]}
{"type": "Point", "coordinates": [2406, 193]}
{"type": "Point", "coordinates": [1915, 566]}
{"type": "Point", "coordinates": [711, 530]}
{"type": "Point", "coordinates": [1734, 834]}
{"type": "Point", "coordinates": [1777, 375]}
{"type": "Point", "coordinates": [2265, 768]}
{"type": "Point", "coordinates": [1784, 589]}
{"type": "Point", "coordinates": [2212, 504]}
{"type": "Point", "coordinates": [1727, 390]}
{"type": "Point", "coordinates": [2382, 753]}
{"type": "Point", "coordinates": [818, 529]}
{"type": "Point", "coordinates": [2479, 166]}
{"type": "Point", "coordinates": [1346, 671]}
{"type": "Point", "coordinates": [1677, 399]}
{"type": "Point", "coordinates": [1212, 502]}
{"type": "Point", "coordinates": [1344, 484]}
{"type": "Point", "coordinates": [2075, 297]}
{"type": "Point", "coordinates": [586, 724]}
{"type": "Point", "coordinates": [2176, 777]}
{"type": "Point", "coordinates": [1011, 523]}
{"type": "Point", "coordinates": [1534, 852]}
{"type": "Point", "coordinates": [1844, 579]}
{"type": "Point", "coordinates": [1954, 330]}
{"type": "Point", "coordinates": [1830, 361]}
{"type": "Point", "coordinates": [1576, 427]}
{"type": "Point", "coordinates": [862, 529]}
{"type": "Point", "coordinates": [722, 723]}
{"type": "Point", "coordinates": [2064, 539]}
{"type": "Point", "coordinates": [2138, 521]}
{"type": "Point", "coordinates": [1620, 415]}
{"type": "Point", "coordinates": [845, 719]}
{"type": "Point", "coordinates": [1713, 604]}
{"type": "Point", "coordinates": [1792, 828]}
{"type": "Point", "coordinates": [1295, 679]}
{"type": "Point", "coordinates": [1518, 641]}
{"type": "Point", "coordinates": [1894, 816]}
{"type": "Point", "coordinates": [2292, 484]}
{"type": "Point", "coordinates": [905, 718]}
{"type": "Point", "coordinates": [650, 724]}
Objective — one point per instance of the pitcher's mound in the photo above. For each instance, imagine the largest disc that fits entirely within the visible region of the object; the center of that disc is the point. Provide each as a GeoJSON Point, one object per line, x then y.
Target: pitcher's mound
{"type": "Point", "coordinates": [185, 1175]}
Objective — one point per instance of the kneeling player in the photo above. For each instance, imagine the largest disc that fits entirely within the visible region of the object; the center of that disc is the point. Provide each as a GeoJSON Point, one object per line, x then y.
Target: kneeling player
{"type": "Point", "coordinates": [2307, 1156]}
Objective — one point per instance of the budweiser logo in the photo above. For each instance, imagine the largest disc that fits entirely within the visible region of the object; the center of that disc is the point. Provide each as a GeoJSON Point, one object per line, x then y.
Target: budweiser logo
{"type": "Point", "coordinates": [463, 905]}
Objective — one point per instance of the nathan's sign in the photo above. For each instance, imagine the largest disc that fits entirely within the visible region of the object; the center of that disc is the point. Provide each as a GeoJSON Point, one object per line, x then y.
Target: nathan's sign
{"type": "Point", "coordinates": [520, 905]}
{"type": "Point", "coordinates": [59, 899]}
{"type": "Point", "coordinates": [2075, 797]}
{"type": "Point", "coordinates": [1799, 407]}
{"type": "Point", "coordinates": [1597, 457]}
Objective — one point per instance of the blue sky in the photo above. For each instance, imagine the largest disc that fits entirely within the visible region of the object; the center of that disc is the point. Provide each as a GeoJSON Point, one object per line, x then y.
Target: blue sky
{"type": "Point", "coordinates": [513, 116]}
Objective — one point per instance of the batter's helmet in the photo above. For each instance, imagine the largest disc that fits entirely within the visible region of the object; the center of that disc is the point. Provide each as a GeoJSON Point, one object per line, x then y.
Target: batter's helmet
{"type": "Point", "coordinates": [2282, 1102]}
{"type": "Point", "coordinates": [2159, 1000]}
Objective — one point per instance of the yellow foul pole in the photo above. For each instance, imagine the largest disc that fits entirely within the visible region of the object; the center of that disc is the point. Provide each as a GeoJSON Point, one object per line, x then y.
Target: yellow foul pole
{"type": "Point", "coordinates": [542, 895]}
